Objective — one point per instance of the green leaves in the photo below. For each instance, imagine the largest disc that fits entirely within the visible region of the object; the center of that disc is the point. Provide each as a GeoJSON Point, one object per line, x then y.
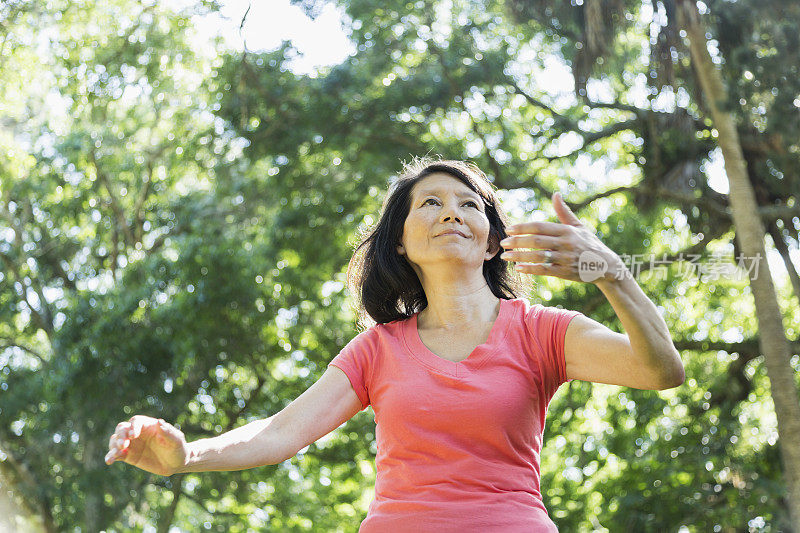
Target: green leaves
{"type": "Point", "coordinates": [175, 222]}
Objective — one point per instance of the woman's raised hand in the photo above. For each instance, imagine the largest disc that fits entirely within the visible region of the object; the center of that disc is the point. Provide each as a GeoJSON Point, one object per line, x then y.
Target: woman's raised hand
{"type": "Point", "coordinates": [566, 249]}
{"type": "Point", "coordinates": [150, 444]}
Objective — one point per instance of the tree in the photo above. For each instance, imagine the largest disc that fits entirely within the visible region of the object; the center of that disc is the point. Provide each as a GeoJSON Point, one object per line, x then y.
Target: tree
{"type": "Point", "coordinates": [750, 232]}
{"type": "Point", "coordinates": [477, 64]}
{"type": "Point", "coordinates": [181, 230]}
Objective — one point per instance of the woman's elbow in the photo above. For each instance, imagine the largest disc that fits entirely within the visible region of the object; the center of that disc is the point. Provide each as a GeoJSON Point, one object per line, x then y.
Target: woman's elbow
{"type": "Point", "coordinates": [675, 376]}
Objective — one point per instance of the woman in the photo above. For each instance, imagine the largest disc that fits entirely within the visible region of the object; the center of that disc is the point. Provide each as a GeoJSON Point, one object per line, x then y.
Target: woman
{"type": "Point", "coordinates": [458, 370]}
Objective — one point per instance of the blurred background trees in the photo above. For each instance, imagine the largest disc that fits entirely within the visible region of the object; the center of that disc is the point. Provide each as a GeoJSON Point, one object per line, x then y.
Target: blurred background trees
{"type": "Point", "coordinates": [176, 218]}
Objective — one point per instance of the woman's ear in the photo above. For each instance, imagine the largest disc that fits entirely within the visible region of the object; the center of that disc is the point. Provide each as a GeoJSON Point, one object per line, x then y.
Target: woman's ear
{"type": "Point", "coordinates": [401, 250]}
{"type": "Point", "coordinates": [493, 249]}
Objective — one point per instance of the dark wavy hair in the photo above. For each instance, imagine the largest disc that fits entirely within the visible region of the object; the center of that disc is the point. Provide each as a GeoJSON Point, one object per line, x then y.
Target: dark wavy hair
{"type": "Point", "coordinates": [383, 282]}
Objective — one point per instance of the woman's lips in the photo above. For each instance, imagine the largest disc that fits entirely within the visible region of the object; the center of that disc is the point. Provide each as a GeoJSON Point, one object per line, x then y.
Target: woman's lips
{"type": "Point", "coordinates": [451, 233]}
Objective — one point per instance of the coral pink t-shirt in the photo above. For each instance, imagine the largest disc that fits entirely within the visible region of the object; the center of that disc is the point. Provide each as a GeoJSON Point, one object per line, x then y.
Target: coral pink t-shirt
{"type": "Point", "coordinates": [459, 442]}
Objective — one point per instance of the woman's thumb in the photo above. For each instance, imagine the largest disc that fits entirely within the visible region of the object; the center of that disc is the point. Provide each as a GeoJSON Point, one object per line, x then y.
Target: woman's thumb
{"type": "Point", "coordinates": [564, 213]}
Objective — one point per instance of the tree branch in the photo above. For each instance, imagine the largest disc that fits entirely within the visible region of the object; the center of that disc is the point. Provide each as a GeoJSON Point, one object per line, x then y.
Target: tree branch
{"type": "Point", "coordinates": [780, 245]}
{"type": "Point", "coordinates": [617, 105]}
{"type": "Point", "coordinates": [138, 216]}
{"type": "Point", "coordinates": [496, 167]}
{"type": "Point", "coordinates": [165, 518]}
{"type": "Point", "coordinates": [200, 503]}
{"type": "Point", "coordinates": [43, 316]}
{"type": "Point", "coordinates": [747, 347]}
{"type": "Point", "coordinates": [37, 316]}
{"type": "Point", "coordinates": [8, 342]}
{"type": "Point", "coordinates": [774, 212]}
{"type": "Point", "coordinates": [26, 478]}
{"type": "Point", "coordinates": [559, 118]}
{"type": "Point", "coordinates": [122, 223]}
{"type": "Point", "coordinates": [592, 136]}
{"type": "Point", "coordinates": [576, 206]}
{"type": "Point", "coordinates": [233, 417]}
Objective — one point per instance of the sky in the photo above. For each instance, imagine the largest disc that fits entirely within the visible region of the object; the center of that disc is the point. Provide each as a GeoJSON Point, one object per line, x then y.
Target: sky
{"type": "Point", "coordinates": [322, 41]}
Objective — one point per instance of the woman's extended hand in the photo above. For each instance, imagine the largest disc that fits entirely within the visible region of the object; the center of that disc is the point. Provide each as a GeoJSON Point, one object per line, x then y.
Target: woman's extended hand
{"type": "Point", "coordinates": [150, 444]}
{"type": "Point", "coordinates": [567, 250]}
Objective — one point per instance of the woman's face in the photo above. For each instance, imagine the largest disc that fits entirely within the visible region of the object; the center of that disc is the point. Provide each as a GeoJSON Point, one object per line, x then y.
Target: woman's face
{"type": "Point", "coordinates": [442, 205]}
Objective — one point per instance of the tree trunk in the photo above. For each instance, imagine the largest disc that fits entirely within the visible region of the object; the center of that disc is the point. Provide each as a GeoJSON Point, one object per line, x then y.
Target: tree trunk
{"type": "Point", "coordinates": [34, 511]}
{"type": "Point", "coordinates": [91, 511]}
{"type": "Point", "coordinates": [780, 245]}
{"type": "Point", "coordinates": [167, 516]}
{"type": "Point", "coordinates": [750, 234]}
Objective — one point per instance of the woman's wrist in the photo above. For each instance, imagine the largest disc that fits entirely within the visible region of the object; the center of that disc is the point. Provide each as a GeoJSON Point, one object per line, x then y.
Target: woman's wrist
{"type": "Point", "coordinates": [611, 280]}
{"type": "Point", "coordinates": [248, 446]}
{"type": "Point", "coordinates": [191, 458]}
{"type": "Point", "coordinates": [614, 274]}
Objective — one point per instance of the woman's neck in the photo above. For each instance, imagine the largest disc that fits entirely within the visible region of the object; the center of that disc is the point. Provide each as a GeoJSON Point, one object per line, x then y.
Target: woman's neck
{"type": "Point", "coordinates": [458, 305]}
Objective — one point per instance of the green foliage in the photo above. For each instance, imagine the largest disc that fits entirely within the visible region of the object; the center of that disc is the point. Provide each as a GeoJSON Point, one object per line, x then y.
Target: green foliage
{"type": "Point", "coordinates": [176, 222]}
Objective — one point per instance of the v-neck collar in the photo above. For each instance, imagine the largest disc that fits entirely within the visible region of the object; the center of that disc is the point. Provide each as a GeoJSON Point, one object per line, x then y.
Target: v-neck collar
{"type": "Point", "coordinates": [474, 360]}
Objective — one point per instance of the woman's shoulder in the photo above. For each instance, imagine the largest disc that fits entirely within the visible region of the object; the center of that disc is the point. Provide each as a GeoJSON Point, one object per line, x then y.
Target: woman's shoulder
{"type": "Point", "coordinates": [523, 305]}
{"type": "Point", "coordinates": [376, 331]}
{"type": "Point", "coordinates": [381, 327]}
{"type": "Point", "coordinates": [532, 310]}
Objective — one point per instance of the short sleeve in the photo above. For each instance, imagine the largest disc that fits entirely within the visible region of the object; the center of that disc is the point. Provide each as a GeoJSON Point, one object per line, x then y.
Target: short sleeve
{"type": "Point", "coordinates": [548, 325]}
{"type": "Point", "coordinates": [356, 360]}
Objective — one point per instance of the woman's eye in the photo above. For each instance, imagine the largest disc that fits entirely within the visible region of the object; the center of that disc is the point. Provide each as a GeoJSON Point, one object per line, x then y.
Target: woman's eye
{"type": "Point", "coordinates": [473, 204]}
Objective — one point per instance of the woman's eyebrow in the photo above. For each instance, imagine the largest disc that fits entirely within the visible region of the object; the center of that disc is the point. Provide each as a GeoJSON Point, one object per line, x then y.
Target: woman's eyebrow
{"type": "Point", "coordinates": [461, 194]}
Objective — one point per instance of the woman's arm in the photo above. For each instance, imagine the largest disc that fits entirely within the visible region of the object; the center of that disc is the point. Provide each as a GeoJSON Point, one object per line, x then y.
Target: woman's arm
{"type": "Point", "coordinates": [158, 447]}
{"type": "Point", "coordinates": [645, 358]}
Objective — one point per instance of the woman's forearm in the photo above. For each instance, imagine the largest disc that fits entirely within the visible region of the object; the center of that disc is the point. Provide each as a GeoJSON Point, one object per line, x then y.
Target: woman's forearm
{"type": "Point", "coordinates": [648, 333]}
{"type": "Point", "coordinates": [255, 444]}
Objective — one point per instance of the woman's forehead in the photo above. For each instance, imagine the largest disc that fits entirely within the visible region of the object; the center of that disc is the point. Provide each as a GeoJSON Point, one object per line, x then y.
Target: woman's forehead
{"type": "Point", "coordinates": [440, 182]}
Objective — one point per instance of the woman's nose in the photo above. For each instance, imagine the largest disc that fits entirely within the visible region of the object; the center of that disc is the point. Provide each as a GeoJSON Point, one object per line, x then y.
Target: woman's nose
{"type": "Point", "coordinates": [450, 213]}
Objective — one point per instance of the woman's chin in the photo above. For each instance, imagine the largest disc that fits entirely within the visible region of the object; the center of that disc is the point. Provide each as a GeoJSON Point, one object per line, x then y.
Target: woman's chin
{"type": "Point", "coordinates": [453, 259]}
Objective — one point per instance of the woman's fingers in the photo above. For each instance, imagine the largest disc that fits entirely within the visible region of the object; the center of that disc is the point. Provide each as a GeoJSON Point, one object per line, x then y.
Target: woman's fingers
{"type": "Point", "coordinates": [115, 453]}
{"type": "Point", "coordinates": [564, 213]}
{"type": "Point", "coordinates": [539, 228]}
{"type": "Point", "coordinates": [544, 270]}
{"type": "Point", "coordinates": [120, 437]}
{"type": "Point", "coordinates": [120, 441]}
{"type": "Point", "coordinates": [117, 442]}
{"type": "Point", "coordinates": [538, 256]}
{"type": "Point", "coordinates": [138, 423]}
{"type": "Point", "coordinates": [118, 445]}
{"type": "Point", "coordinates": [112, 449]}
{"type": "Point", "coordinates": [534, 241]}
{"type": "Point", "coordinates": [170, 431]}
{"type": "Point", "coordinates": [148, 443]}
